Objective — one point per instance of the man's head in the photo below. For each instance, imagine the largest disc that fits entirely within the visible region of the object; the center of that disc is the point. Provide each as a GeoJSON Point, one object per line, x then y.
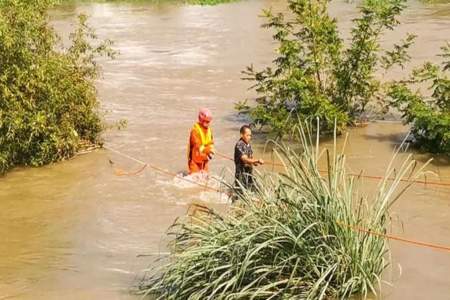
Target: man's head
{"type": "Point", "coordinates": [204, 117]}
{"type": "Point", "coordinates": [246, 133]}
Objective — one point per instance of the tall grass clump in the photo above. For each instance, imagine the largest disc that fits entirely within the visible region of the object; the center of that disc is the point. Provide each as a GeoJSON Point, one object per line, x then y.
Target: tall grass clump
{"type": "Point", "coordinates": [294, 237]}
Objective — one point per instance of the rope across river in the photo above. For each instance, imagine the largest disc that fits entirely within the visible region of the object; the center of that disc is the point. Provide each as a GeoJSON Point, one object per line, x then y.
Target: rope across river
{"type": "Point", "coordinates": [426, 182]}
{"type": "Point", "coordinates": [156, 168]}
{"type": "Point", "coordinates": [144, 165]}
{"type": "Point", "coordinates": [354, 228]}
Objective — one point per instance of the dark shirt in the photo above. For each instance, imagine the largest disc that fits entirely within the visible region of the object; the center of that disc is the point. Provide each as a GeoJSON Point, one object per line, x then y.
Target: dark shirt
{"type": "Point", "coordinates": [241, 149]}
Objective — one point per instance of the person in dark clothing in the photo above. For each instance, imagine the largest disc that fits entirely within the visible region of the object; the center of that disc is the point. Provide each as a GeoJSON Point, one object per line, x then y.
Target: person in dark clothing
{"type": "Point", "coordinates": [244, 161]}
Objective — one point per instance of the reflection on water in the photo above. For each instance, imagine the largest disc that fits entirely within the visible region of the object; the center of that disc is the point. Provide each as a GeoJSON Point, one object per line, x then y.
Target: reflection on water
{"type": "Point", "coordinates": [74, 230]}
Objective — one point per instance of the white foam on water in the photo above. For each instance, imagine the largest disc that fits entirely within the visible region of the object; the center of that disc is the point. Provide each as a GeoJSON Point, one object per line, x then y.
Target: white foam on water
{"type": "Point", "coordinates": [213, 197]}
{"type": "Point", "coordinates": [197, 180]}
{"type": "Point", "coordinates": [203, 187]}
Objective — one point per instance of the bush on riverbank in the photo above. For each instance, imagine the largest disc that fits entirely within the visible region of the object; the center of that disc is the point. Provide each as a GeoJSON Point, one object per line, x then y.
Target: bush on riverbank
{"type": "Point", "coordinates": [48, 100]}
{"type": "Point", "coordinates": [315, 74]}
{"type": "Point", "coordinates": [429, 116]}
{"type": "Point", "coordinates": [295, 237]}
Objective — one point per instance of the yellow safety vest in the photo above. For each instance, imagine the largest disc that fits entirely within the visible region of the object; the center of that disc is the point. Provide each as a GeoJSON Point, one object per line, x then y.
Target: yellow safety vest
{"type": "Point", "coordinates": [205, 139]}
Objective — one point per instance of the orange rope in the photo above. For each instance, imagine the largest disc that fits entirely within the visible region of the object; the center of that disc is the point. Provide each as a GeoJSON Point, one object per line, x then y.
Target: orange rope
{"type": "Point", "coordinates": [121, 172]}
{"type": "Point", "coordinates": [161, 170]}
{"type": "Point", "coordinates": [396, 238]}
{"type": "Point", "coordinates": [358, 175]}
{"type": "Point", "coordinates": [354, 228]}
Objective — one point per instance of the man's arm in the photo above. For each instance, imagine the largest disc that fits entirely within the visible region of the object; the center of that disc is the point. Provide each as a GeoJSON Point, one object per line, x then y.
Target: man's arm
{"type": "Point", "coordinates": [250, 161]}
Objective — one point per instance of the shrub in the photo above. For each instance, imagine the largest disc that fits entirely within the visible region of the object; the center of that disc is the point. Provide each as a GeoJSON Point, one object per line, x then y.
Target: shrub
{"type": "Point", "coordinates": [48, 100]}
{"type": "Point", "coordinates": [429, 116]}
{"type": "Point", "coordinates": [315, 74]}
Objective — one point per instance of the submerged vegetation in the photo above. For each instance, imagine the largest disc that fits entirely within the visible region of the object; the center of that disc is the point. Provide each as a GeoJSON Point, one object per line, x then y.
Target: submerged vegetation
{"type": "Point", "coordinates": [48, 100]}
{"type": "Point", "coordinates": [316, 74]}
{"type": "Point", "coordinates": [294, 237]}
{"type": "Point", "coordinates": [429, 116]}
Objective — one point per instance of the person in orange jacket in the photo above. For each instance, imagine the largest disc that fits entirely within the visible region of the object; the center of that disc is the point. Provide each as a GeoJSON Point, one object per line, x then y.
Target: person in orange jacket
{"type": "Point", "coordinates": [201, 144]}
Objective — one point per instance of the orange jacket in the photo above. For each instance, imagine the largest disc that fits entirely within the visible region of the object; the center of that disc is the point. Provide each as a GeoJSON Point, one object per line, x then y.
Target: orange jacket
{"type": "Point", "coordinates": [200, 144]}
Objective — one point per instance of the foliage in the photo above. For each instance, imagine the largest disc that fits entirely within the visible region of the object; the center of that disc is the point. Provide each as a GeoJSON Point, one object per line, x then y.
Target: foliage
{"type": "Point", "coordinates": [294, 237]}
{"type": "Point", "coordinates": [315, 74]}
{"type": "Point", "coordinates": [48, 100]}
{"type": "Point", "coordinates": [429, 116]}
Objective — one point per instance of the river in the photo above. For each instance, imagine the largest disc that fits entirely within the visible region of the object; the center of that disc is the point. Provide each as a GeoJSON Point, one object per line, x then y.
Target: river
{"type": "Point", "coordinates": [75, 230]}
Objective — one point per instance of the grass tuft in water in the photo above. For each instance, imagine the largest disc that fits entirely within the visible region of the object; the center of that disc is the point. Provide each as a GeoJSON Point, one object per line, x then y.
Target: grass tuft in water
{"type": "Point", "coordinates": [289, 239]}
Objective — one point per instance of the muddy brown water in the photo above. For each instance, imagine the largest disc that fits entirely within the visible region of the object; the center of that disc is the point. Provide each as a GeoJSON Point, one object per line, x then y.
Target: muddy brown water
{"type": "Point", "coordinates": [74, 230]}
